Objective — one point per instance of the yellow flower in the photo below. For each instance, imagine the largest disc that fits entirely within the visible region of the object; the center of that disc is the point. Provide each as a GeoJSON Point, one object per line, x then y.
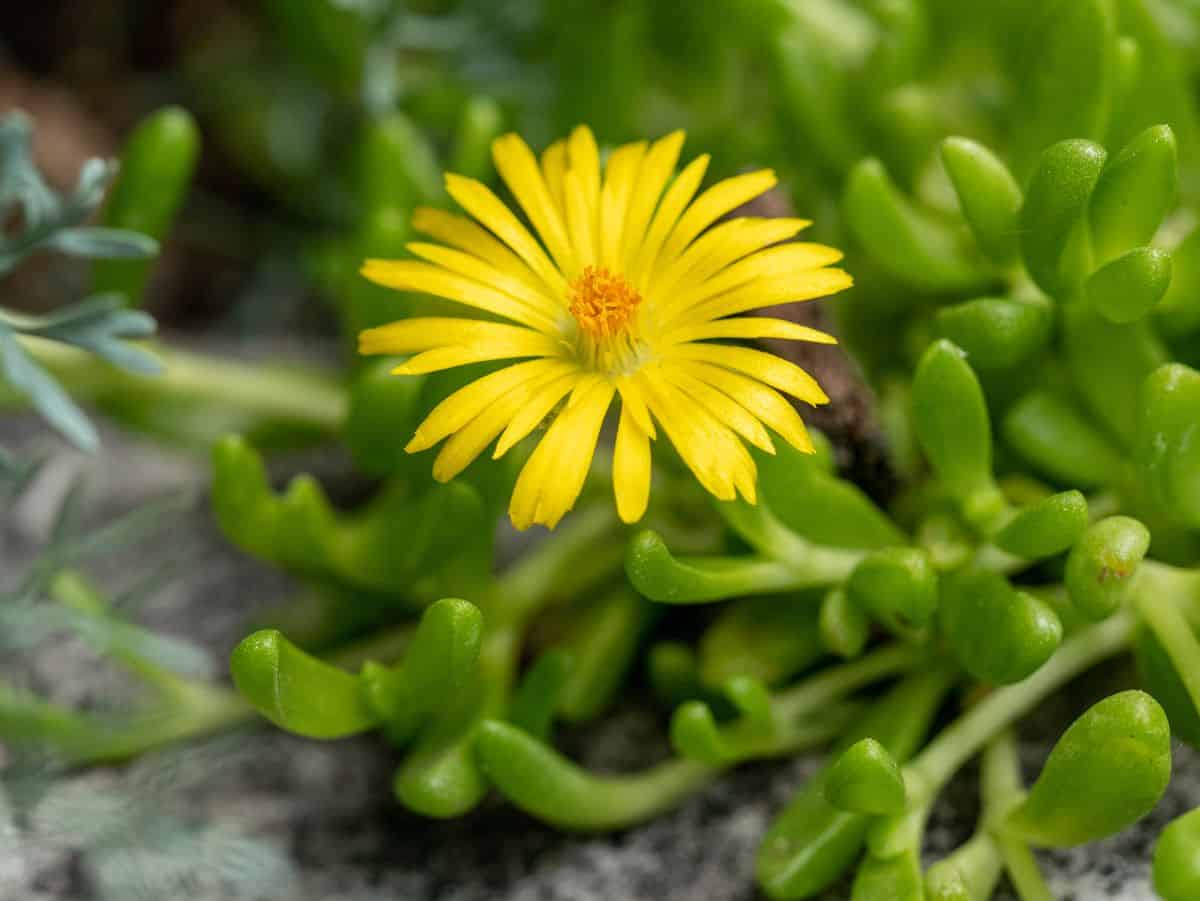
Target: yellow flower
{"type": "Point", "coordinates": [623, 292]}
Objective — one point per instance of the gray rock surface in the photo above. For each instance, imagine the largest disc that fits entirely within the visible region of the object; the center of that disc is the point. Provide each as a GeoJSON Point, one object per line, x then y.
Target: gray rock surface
{"type": "Point", "coordinates": [260, 814]}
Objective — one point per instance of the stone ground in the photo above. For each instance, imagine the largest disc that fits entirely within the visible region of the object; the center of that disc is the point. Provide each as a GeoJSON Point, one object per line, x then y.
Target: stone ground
{"type": "Point", "coordinates": [265, 815]}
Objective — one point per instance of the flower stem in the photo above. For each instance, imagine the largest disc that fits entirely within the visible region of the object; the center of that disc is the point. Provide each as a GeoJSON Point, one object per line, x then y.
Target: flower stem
{"type": "Point", "coordinates": [293, 395]}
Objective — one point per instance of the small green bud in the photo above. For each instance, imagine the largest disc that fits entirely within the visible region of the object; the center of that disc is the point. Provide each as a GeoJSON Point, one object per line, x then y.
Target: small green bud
{"type": "Point", "coordinates": [988, 194]}
{"type": "Point", "coordinates": [998, 634]}
{"type": "Point", "coordinates": [844, 627]}
{"type": "Point", "coordinates": [1055, 206]}
{"type": "Point", "coordinates": [1135, 192]}
{"type": "Point", "coordinates": [1128, 287]}
{"type": "Point", "coordinates": [997, 332]}
{"type": "Point", "coordinates": [898, 585]}
{"type": "Point", "coordinates": [1101, 565]}
{"type": "Point", "coordinates": [1168, 452]}
{"type": "Point", "coordinates": [1176, 870]}
{"type": "Point", "coordinates": [866, 779]}
{"type": "Point", "coordinates": [1106, 772]}
{"type": "Point", "coordinates": [1048, 528]}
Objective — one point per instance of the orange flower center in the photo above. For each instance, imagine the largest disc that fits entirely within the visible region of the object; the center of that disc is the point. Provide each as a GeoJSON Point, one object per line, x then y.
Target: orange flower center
{"type": "Point", "coordinates": [602, 303]}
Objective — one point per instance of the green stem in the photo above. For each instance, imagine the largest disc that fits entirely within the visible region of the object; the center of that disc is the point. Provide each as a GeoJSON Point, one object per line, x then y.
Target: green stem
{"type": "Point", "coordinates": [301, 397]}
{"type": "Point", "coordinates": [839, 681]}
{"type": "Point", "coordinates": [1160, 609]}
{"type": "Point", "coordinates": [578, 549]}
{"type": "Point", "coordinates": [934, 766]}
{"type": "Point", "coordinates": [1003, 790]}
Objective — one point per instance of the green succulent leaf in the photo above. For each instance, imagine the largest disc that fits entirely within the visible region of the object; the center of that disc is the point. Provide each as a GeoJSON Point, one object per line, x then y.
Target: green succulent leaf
{"type": "Point", "coordinates": [1052, 435]}
{"type": "Point", "coordinates": [998, 634]}
{"type": "Point", "coordinates": [1128, 287]}
{"type": "Point", "coordinates": [997, 332]}
{"type": "Point", "coordinates": [843, 625]}
{"type": "Point", "coordinates": [1168, 445]}
{"type": "Point", "coordinates": [1176, 869]}
{"type": "Point", "coordinates": [910, 243]}
{"type": "Point", "coordinates": [770, 639]}
{"type": "Point", "coordinates": [1135, 193]}
{"type": "Point", "coordinates": [1065, 77]}
{"type": "Point", "coordinates": [298, 692]}
{"type": "Point", "coordinates": [988, 194]}
{"type": "Point", "coordinates": [953, 427]}
{"type": "Point", "coordinates": [897, 585]}
{"type": "Point", "coordinates": [1107, 771]}
{"type": "Point", "coordinates": [1047, 528]}
{"type": "Point", "coordinates": [1162, 680]}
{"type": "Point", "coordinates": [1053, 220]}
{"type": "Point", "coordinates": [865, 778]}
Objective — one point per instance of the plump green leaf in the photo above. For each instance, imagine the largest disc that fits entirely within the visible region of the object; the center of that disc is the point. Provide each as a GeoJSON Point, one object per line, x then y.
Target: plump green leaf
{"type": "Point", "coordinates": [1065, 76]}
{"type": "Point", "coordinates": [298, 692]}
{"type": "Point", "coordinates": [844, 626]}
{"type": "Point", "coordinates": [988, 194]}
{"type": "Point", "coordinates": [1128, 287]}
{"type": "Point", "coordinates": [954, 430]}
{"type": "Point", "coordinates": [1135, 193]}
{"type": "Point", "coordinates": [1178, 314]}
{"type": "Point", "coordinates": [997, 332]}
{"type": "Point", "coordinates": [910, 243]}
{"type": "Point", "coordinates": [1047, 528]}
{"type": "Point", "coordinates": [1106, 772]}
{"type": "Point", "coordinates": [998, 634]}
{"type": "Point", "coordinates": [1052, 435]}
{"type": "Point", "coordinates": [1177, 859]}
{"type": "Point", "coordinates": [1168, 446]}
{"type": "Point", "coordinates": [866, 779]}
{"type": "Point", "coordinates": [897, 585]}
{"type": "Point", "coordinates": [1054, 233]}
{"type": "Point", "coordinates": [895, 878]}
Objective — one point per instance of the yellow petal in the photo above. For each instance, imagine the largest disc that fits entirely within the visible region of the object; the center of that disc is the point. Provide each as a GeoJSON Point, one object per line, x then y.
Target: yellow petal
{"type": "Point", "coordinates": [768, 292]}
{"type": "Point", "coordinates": [748, 327]}
{"type": "Point", "coordinates": [678, 196]}
{"type": "Point", "coordinates": [709, 449]}
{"type": "Point", "coordinates": [468, 442]}
{"type": "Point", "coordinates": [620, 174]}
{"type": "Point", "coordinates": [722, 245]}
{"type": "Point", "coordinates": [440, 358]}
{"type": "Point", "coordinates": [478, 270]}
{"type": "Point", "coordinates": [412, 275]}
{"type": "Point", "coordinates": [796, 260]}
{"type": "Point", "coordinates": [410, 335]}
{"type": "Point", "coordinates": [478, 200]}
{"type": "Point", "coordinates": [762, 400]}
{"type": "Point", "coordinates": [775, 371]}
{"type": "Point", "coordinates": [721, 406]}
{"type": "Point", "coordinates": [581, 220]}
{"type": "Point", "coordinates": [550, 482]}
{"type": "Point", "coordinates": [554, 168]}
{"type": "Point", "coordinates": [583, 158]}
{"type": "Point", "coordinates": [537, 408]}
{"type": "Point", "coordinates": [633, 399]}
{"type": "Point", "coordinates": [656, 170]}
{"type": "Point", "coordinates": [461, 232]}
{"type": "Point", "coordinates": [469, 401]}
{"type": "Point", "coordinates": [519, 168]}
{"type": "Point", "coordinates": [631, 468]}
{"type": "Point", "coordinates": [713, 204]}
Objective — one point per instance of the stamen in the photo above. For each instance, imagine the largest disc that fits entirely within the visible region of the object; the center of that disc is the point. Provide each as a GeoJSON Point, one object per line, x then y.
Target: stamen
{"type": "Point", "coordinates": [603, 303]}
